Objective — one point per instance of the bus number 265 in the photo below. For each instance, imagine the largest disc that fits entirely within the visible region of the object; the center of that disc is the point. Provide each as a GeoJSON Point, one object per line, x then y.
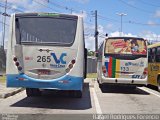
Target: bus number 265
{"type": "Point", "coordinates": [43, 58]}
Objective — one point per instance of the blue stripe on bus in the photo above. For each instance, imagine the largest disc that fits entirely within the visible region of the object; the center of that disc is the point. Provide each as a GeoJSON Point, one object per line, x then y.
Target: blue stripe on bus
{"type": "Point", "coordinates": [73, 83]}
{"type": "Point", "coordinates": [106, 65]}
{"type": "Point", "coordinates": [106, 62]}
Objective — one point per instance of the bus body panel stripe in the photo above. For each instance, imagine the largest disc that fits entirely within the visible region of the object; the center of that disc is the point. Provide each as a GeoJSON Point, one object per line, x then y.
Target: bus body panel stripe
{"type": "Point", "coordinates": [117, 68]}
{"type": "Point", "coordinates": [113, 67]}
{"type": "Point", "coordinates": [71, 82]}
{"type": "Point", "coordinates": [110, 67]}
{"type": "Point", "coordinates": [106, 65]}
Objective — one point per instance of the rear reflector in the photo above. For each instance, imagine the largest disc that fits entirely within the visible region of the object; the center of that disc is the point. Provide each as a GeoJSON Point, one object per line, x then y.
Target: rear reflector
{"type": "Point", "coordinates": [20, 78]}
{"type": "Point", "coordinates": [63, 81]}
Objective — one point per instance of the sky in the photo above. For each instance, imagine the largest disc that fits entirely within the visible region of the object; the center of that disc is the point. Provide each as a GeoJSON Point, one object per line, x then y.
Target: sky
{"type": "Point", "coordinates": [142, 17]}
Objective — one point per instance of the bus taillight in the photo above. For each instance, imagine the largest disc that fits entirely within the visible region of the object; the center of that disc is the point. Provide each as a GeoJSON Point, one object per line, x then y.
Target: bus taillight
{"type": "Point", "coordinates": [70, 66]}
{"type": "Point", "coordinates": [104, 69]}
{"type": "Point", "coordinates": [14, 59]}
{"type": "Point", "coordinates": [17, 64]}
{"type": "Point", "coordinates": [73, 61]}
{"type": "Point", "coordinates": [145, 72]}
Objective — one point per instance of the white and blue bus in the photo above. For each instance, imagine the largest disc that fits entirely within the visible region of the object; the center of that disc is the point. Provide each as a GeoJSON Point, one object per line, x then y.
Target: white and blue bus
{"type": "Point", "coordinates": [46, 51]}
{"type": "Point", "coordinates": [123, 60]}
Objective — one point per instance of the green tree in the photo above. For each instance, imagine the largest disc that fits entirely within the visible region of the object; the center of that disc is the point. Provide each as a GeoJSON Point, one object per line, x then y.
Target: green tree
{"type": "Point", "coordinates": [90, 52]}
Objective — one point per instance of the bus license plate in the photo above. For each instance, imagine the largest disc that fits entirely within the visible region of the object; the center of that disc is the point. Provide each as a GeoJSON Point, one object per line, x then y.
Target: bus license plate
{"type": "Point", "coordinates": [43, 72]}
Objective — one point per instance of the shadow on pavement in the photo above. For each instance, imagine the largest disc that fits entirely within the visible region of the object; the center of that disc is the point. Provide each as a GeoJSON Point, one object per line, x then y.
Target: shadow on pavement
{"type": "Point", "coordinates": [153, 87]}
{"type": "Point", "coordinates": [123, 89]}
{"type": "Point", "coordinates": [57, 100]}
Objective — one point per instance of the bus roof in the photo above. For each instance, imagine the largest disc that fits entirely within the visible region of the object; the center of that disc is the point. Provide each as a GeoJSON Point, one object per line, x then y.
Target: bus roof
{"type": "Point", "coordinates": [154, 45]}
{"type": "Point", "coordinates": [46, 15]}
{"type": "Point", "coordinates": [124, 37]}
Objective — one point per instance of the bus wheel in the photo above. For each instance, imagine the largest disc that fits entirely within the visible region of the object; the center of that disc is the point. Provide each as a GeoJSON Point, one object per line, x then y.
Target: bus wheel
{"type": "Point", "coordinates": [31, 92]}
{"type": "Point", "coordinates": [133, 87]}
{"type": "Point", "coordinates": [98, 81]}
{"type": "Point", "coordinates": [76, 94]}
{"type": "Point", "coordinates": [102, 86]}
{"type": "Point", "coordinates": [158, 84]}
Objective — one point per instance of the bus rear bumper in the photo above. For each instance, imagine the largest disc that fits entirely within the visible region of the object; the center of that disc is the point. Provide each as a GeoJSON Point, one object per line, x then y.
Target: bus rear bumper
{"type": "Point", "coordinates": [63, 83]}
{"type": "Point", "coordinates": [124, 81]}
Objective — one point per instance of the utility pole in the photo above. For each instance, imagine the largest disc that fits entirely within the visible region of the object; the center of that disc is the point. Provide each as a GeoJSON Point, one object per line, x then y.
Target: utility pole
{"type": "Point", "coordinates": [96, 32]}
{"type": "Point", "coordinates": [4, 25]}
{"type": "Point", "coordinates": [121, 15]}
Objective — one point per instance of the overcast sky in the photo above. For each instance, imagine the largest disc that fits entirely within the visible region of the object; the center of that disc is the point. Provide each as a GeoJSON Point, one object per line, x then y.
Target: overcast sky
{"type": "Point", "coordinates": [142, 19]}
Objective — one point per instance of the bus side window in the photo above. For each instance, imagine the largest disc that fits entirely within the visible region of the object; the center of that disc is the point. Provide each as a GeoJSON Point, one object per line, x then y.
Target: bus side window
{"type": "Point", "coordinates": [100, 51]}
{"type": "Point", "coordinates": [149, 55]}
{"type": "Point", "coordinates": [153, 54]}
{"type": "Point", "coordinates": [158, 55]}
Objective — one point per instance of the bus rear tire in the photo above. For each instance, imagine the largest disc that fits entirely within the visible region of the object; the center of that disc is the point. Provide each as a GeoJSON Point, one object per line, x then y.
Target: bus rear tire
{"type": "Point", "coordinates": [102, 87]}
{"type": "Point", "coordinates": [31, 92]}
{"type": "Point", "coordinates": [133, 87]}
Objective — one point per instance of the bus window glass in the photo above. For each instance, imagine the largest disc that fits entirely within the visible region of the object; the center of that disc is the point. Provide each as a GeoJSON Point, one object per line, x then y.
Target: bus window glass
{"type": "Point", "coordinates": [158, 51]}
{"type": "Point", "coordinates": [153, 51]}
{"type": "Point", "coordinates": [153, 54]}
{"type": "Point", "coordinates": [45, 30]}
{"type": "Point", "coordinates": [149, 55]}
{"type": "Point", "coordinates": [158, 55]}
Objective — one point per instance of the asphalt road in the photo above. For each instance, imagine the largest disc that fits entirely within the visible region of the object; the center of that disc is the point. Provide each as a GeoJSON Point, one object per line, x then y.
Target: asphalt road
{"type": "Point", "coordinates": [112, 100]}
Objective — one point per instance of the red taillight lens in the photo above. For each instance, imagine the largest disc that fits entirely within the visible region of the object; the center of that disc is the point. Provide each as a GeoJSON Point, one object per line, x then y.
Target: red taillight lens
{"type": "Point", "coordinates": [17, 63]}
{"type": "Point", "coordinates": [104, 69]}
{"type": "Point", "coordinates": [15, 59]}
{"type": "Point", "coordinates": [145, 72]}
{"type": "Point", "coordinates": [73, 61]}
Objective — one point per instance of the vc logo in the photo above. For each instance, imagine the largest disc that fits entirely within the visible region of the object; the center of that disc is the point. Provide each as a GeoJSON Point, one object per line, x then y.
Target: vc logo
{"type": "Point", "coordinates": [61, 58]}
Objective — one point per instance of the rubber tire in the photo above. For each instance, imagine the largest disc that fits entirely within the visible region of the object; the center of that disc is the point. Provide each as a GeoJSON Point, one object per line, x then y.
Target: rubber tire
{"type": "Point", "coordinates": [97, 80]}
{"type": "Point", "coordinates": [31, 92]}
{"type": "Point", "coordinates": [102, 87]}
{"type": "Point", "coordinates": [76, 94]}
{"type": "Point", "coordinates": [158, 84]}
{"type": "Point", "coordinates": [134, 87]}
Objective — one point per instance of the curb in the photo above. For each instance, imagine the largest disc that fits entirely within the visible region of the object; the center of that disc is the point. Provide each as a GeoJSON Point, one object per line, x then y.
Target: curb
{"type": "Point", "coordinates": [11, 93]}
{"type": "Point", "coordinates": [92, 82]}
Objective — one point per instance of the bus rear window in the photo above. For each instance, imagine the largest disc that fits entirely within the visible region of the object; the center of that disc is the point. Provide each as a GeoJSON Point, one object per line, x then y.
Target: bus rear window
{"type": "Point", "coordinates": [126, 46]}
{"type": "Point", "coordinates": [46, 30]}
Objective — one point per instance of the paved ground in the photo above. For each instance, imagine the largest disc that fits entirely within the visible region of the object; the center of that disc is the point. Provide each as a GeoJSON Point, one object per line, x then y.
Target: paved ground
{"type": "Point", "coordinates": [7, 92]}
{"type": "Point", "coordinates": [113, 100]}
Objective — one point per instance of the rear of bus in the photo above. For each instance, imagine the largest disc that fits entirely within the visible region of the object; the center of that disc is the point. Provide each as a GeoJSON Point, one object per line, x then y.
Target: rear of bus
{"type": "Point", "coordinates": [124, 61]}
{"type": "Point", "coordinates": [46, 51]}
